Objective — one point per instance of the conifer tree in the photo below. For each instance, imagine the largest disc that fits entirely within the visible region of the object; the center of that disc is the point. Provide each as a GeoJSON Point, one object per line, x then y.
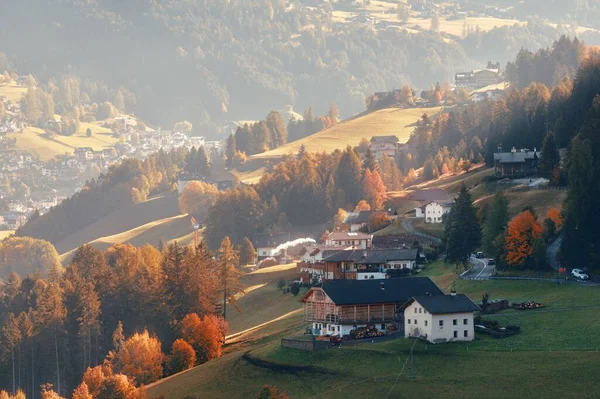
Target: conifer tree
{"type": "Point", "coordinates": [462, 234]}
{"type": "Point", "coordinates": [229, 273]}
{"type": "Point", "coordinates": [370, 162]}
{"type": "Point", "coordinates": [495, 225]}
{"type": "Point", "coordinates": [550, 158]}
{"type": "Point", "coordinates": [247, 252]}
{"type": "Point", "coordinates": [348, 175]}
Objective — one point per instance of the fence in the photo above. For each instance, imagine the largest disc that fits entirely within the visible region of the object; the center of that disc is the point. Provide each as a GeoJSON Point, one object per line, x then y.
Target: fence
{"type": "Point", "coordinates": [309, 345]}
{"type": "Point", "coordinates": [541, 279]}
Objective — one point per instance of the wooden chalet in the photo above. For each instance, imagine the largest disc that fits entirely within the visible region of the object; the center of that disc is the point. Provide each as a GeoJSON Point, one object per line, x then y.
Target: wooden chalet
{"type": "Point", "coordinates": [336, 307]}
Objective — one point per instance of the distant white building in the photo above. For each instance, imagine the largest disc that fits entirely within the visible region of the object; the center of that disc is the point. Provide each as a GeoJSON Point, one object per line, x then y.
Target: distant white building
{"type": "Point", "coordinates": [357, 240]}
{"type": "Point", "coordinates": [384, 145]}
{"type": "Point", "coordinates": [435, 210]}
{"type": "Point", "coordinates": [440, 318]}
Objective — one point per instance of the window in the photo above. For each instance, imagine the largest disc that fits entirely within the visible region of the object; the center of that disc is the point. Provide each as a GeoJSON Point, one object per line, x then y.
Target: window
{"type": "Point", "coordinates": [466, 333]}
{"type": "Point", "coordinates": [420, 310]}
{"type": "Point", "coordinates": [338, 328]}
{"type": "Point", "coordinates": [408, 321]}
{"type": "Point", "coordinates": [455, 334]}
{"type": "Point", "coordinates": [465, 321]}
{"type": "Point", "coordinates": [455, 322]}
{"type": "Point", "coordinates": [441, 323]}
{"type": "Point", "coordinates": [415, 321]}
{"type": "Point", "coordinates": [415, 310]}
{"type": "Point", "coordinates": [425, 323]}
{"type": "Point", "coordinates": [382, 327]}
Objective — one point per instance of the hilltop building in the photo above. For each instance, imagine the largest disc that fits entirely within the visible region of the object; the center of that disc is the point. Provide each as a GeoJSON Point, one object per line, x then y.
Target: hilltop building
{"type": "Point", "coordinates": [516, 163]}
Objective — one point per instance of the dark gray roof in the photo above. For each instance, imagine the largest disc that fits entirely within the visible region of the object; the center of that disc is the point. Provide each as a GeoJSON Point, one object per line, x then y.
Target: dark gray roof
{"type": "Point", "coordinates": [364, 216]}
{"type": "Point", "coordinates": [384, 139]}
{"type": "Point", "coordinates": [515, 157]}
{"type": "Point", "coordinates": [355, 292]}
{"type": "Point", "coordinates": [373, 256]}
{"type": "Point", "coordinates": [440, 304]}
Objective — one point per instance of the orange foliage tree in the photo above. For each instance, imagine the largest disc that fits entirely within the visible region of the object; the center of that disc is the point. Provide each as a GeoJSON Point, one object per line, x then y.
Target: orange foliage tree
{"type": "Point", "coordinates": [361, 206]}
{"type": "Point", "coordinates": [182, 357]}
{"type": "Point", "coordinates": [554, 215]}
{"type": "Point", "coordinates": [206, 335]}
{"type": "Point", "coordinates": [522, 231]}
{"type": "Point", "coordinates": [374, 189]}
{"type": "Point", "coordinates": [100, 383]}
{"type": "Point", "coordinates": [140, 357]}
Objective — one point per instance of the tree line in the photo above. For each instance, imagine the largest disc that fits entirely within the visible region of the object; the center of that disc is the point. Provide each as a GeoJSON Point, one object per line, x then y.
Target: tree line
{"type": "Point", "coordinates": [116, 319]}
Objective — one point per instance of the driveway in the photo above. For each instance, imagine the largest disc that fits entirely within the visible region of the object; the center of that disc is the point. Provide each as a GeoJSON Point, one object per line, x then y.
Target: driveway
{"type": "Point", "coordinates": [479, 269]}
{"type": "Point", "coordinates": [407, 225]}
{"type": "Point", "coordinates": [551, 252]}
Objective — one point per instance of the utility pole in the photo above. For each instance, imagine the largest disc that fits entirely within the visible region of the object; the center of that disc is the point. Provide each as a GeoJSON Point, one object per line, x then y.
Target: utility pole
{"type": "Point", "coordinates": [412, 364]}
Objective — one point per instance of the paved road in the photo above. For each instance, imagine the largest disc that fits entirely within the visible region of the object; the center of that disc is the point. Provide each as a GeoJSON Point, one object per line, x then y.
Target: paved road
{"type": "Point", "coordinates": [479, 269]}
{"type": "Point", "coordinates": [551, 252]}
{"type": "Point", "coordinates": [407, 225]}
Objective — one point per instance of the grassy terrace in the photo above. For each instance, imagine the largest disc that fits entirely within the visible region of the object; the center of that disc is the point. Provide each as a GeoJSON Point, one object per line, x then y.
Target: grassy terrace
{"type": "Point", "coordinates": [553, 355]}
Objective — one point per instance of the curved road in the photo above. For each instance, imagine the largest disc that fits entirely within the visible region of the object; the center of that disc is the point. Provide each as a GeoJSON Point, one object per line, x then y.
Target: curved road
{"type": "Point", "coordinates": [479, 269]}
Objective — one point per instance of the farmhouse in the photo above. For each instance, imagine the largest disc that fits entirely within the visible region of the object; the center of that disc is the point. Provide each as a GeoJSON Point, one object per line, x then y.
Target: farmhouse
{"type": "Point", "coordinates": [384, 145]}
{"type": "Point", "coordinates": [516, 163]}
{"type": "Point", "coordinates": [360, 220]}
{"type": "Point", "coordinates": [370, 264]}
{"type": "Point", "coordinates": [339, 306]}
{"type": "Point", "coordinates": [349, 239]}
{"type": "Point", "coordinates": [424, 197]}
{"type": "Point", "coordinates": [440, 318]}
{"type": "Point", "coordinates": [477, 78]}
{"type": "Point", "coordinates": [435, 210]}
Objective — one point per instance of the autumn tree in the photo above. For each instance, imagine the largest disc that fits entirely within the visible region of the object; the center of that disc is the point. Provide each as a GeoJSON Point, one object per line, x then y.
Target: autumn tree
{"type": "Point", "coordinates": [205, 335]}
{"type": "Point", "coordinates": [495, 224]}
{"type": "Point", "coordinates": [196, 198]}
{"type": "Point", "coordinates": [247, 252]}
{"type": "Point", "coordinates": [182, 127]}
{"type": "Point", "coordinates": [369, 161]}
{"type": "Point", "coordinates": [462, 233]}
{"type": "Point", "coordinates": [140, 357]}
{"type": "Point", "coordinates": [361, 206]}
{"type": "Point", "coordinates": [554, 215]}
{"type": "Point", "coordinates": [521, 234]}
{"type": "Point", "coordinates": [25, 255]}
{"type": "Point", "coordinates": [50, 315]}
{"type": "Point", "coordinates": [278, 129]}
{"type": "Point", "coordinates": [182, 357]}
{"type": "Point", "coordinates": [229, 273]}
{"type": "Point", "coordinates": [374, 189]}
{"type": "Point", "coordinates": [334, 113]}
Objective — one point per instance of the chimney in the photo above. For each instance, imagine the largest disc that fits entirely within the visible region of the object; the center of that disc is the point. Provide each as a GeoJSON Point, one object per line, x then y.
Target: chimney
{"type": "Point", "coordinates": [513, 150]}
{"type": "Point", "coordinates": [364, 254]}
{"type": "Point", "coordinates": [499, 149]}
{"type": "Point", "coordinates": [382, 286]}
{"type": "Point", "coordinates": [453, 293]}
{"type": "Point", "coordinates": [534, 149]}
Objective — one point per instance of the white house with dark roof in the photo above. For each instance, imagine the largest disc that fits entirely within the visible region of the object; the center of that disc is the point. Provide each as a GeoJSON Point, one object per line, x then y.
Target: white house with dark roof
{"type": "Point", "coordinates": [372, 264]}
{"type": "Point", "coordinates": [440, 318]}
{"type": "Point", "coordinates": [427, 196]}
{"type": "Point", "coordinates": [435, 210]}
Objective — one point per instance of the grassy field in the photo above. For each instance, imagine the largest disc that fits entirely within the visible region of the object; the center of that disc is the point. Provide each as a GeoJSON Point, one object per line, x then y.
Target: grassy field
{"type": "Point", "coordinates": [35, 140]}
{"type": "Point", "coordinates": [432, 229]}
{"type": "Point", "coordinates": [559, 340]}
{"type": "Point", "coordinates": [13, 92]}
{"type": "Point", "coordinates": [390, 121]}
{"type": "Point", "coordinates": [5, 233]}
{"type": "Point", "coordinates": [147, 222]}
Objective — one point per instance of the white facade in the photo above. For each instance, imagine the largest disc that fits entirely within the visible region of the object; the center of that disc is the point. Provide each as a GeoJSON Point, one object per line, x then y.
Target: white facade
{"type": "Point", "coordinates": [419, 212]}
{"type": "Point", "coordinates": [356, 240]}
{"type": "Point", "coordinates": [438, 328]}
{"type": "Point", "coordinates": [434, 211]}
{"type": "Point", "coordinates": [265, 252]}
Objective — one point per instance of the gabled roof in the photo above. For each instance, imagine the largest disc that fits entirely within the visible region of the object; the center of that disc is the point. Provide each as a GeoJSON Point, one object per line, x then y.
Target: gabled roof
{"type": "Point", "coordinates": [515, 157]}
{"type": "Point", "coordinates": [348, 235]}
{"type": "Point", "coordinates": [375, 256]}
{"type": "Point", "coordinates": [441, 304]}
{"type": "Point", "coordinates": [359, 292]}
{"type": "Point", "coordinates": [435, 194]}
{"type": "Point", "coordinates": [363, 216]}
{"type": "Point", "coordinates": [384, 139]}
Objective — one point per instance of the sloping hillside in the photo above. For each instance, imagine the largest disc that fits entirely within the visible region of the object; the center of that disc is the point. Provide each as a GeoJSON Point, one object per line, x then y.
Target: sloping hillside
{"type": "Point", "coordinates": [385, 122]}
{"type": "Point", "coordinates": [124, 220]}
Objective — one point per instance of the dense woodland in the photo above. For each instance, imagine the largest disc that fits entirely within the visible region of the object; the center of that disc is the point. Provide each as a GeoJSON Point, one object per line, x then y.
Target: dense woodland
{"type": "Point", "coordinates": [205, 61]}
{"type": "Point", "coordinates": [125, 317]}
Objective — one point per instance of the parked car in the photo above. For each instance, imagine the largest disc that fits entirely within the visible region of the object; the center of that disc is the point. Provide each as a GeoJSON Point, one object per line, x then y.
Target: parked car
{"type": "Point", "coordinates": [579, 274]}
{"type": "Point", "coordinates": [491, 262]}
{"type": "Point", "coordinates": [479, 255]}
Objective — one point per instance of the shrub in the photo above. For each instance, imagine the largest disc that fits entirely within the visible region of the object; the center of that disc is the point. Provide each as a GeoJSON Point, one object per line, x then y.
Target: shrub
{"type": "Point", "coordinates": [268, 262]}
{"type": "Point", "coordinates": [182, 356]}
{"type": "Point", "coordinates": [295, 289]}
